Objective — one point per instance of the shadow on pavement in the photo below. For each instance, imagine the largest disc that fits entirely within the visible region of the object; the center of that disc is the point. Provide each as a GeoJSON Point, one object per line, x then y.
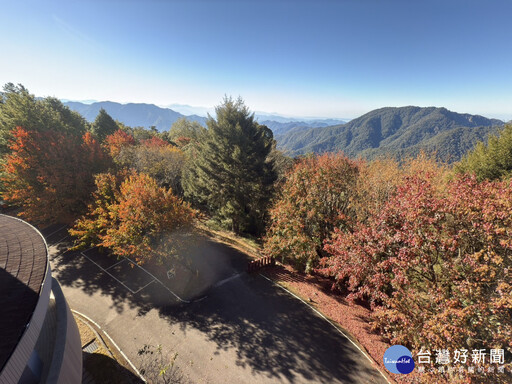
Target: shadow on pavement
{"type": "Point", "coordinates": [272, 333]}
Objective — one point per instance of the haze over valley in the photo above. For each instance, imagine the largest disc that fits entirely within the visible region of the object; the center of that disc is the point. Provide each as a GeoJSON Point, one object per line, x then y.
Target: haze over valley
{"type": "Point", "coordinates": [401, 132]}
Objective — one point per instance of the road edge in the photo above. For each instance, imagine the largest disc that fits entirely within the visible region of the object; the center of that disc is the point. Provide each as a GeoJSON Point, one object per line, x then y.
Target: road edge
{"type": "Point", "coordinates": [87, 318]}
{"type": "Point", "coordinates": [372, 361]}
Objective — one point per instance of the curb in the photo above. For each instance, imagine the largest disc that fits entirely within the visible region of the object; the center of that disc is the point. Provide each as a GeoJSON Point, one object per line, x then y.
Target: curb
{"type": "Point", "coordinates": [112, 341]}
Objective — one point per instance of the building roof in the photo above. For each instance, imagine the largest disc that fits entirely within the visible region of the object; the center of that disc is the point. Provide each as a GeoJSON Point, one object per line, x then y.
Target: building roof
{"type": "Point", "coordinates": [23, 264]}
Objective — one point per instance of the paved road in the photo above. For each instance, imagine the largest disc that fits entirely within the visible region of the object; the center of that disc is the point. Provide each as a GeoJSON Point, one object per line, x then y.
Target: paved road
{"type": "Point", "coordinates": [245, 330]}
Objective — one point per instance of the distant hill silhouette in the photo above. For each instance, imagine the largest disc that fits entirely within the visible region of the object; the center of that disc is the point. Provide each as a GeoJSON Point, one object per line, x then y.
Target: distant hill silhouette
{"type": "Point", "coordinates": [397, 131]}
{"type": "Point", "coordinates": [132, 114]}
{"type": "Point", "coordinates": [147, 115]}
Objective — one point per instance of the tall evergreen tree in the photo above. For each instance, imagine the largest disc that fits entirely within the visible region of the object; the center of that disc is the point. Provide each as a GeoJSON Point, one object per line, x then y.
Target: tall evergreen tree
{"type": "Point", "coordinates": [103, 125]}
{"type": "Point", "coordinates": [231, 175]}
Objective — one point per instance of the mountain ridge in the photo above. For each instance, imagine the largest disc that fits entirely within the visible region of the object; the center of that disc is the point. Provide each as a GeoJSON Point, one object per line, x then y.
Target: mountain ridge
{"type": "Point", "coordinates": [147, 115]}
{"type": "Point", "coordinates": [133, 114]}
{"type": "Point", "coordinates": [405, 130]}
{"type": "Point", "coordinates": [399, 131]}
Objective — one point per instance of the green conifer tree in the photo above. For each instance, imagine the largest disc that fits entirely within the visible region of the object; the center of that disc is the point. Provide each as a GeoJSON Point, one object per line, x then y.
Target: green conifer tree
{"type": "Point", "coordinates": [103, 125]}
{"type": "Point", "coordinates": [231, 175]}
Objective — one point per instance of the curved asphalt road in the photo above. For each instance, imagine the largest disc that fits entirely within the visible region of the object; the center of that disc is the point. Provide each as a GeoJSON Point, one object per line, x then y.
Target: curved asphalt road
{"type": "Point", "coordinates": [246, 330]}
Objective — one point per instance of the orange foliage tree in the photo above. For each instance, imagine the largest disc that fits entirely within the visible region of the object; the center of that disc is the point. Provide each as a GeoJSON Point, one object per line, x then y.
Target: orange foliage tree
{"type": "Point", "coordinates": [154, 142]}
{"type": "Point", "coordinates": [50, 174]}
{"type": "Point", "coordinates": [379, 179]}
{"type": "Point", "coordinates": [313, 201]}
{"type": "Point", "coordinates": [133, 217]}
{"type": "Point", "coordinates": [117, 141]}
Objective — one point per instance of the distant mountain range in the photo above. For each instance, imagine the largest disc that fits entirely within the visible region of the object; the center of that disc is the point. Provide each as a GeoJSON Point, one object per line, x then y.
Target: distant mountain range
{"type": "Point", "coordinates": [147, 115]}
{"type": "Point", "coordinates": [260, 116]}
{"type": "Point", "coordinates": [133, 114]}
{"type": "Point", "coordinates": [399, 131]}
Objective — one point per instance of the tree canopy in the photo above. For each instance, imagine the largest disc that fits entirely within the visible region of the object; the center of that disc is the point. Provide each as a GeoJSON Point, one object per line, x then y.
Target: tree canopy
{"type": "Point", "coordinates": [19, 108]}
{"type": "Point", "coordinates": [50, 174]}
{"type": "Point", "coordinates": [185, 132]}
{"type": "Point", "coordinates": [491, 161]}
{"type": "Point", "coordinates": [133, 217]}
{"type": "Point", "coordinates": [103, 125]}
{"type": "Point", "coordinates": [231, 175]}
{"type": "Point", "coordinates": [313, 201]}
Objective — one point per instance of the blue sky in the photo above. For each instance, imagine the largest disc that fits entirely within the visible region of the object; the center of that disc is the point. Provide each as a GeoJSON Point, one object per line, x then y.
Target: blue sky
{"type": "Point", "coordinates": [302, 58]}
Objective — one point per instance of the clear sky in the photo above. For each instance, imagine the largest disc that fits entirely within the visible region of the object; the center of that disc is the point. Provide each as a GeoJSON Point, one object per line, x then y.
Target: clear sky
{"type": "Point", "coordinates": [303, 58]}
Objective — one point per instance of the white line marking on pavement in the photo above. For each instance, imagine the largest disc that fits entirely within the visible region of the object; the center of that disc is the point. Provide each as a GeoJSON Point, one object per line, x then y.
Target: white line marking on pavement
{"type": "Point", "coordinates": [107, 272]}
{"type": "Point", "coordinates": [112, 341]}
{"type": "Point", "coordinates": [329, 321]}
{"type": "Point", "coordinates": [135, 264]}
{"type": "Point", "coordinates": [162, 284]}
{"type": "Point", "coordinates": [222, 282]}
{"type": "Point", "coordinates": [140, 289]}
{"type": "Point", "coordinates": [113, 265]}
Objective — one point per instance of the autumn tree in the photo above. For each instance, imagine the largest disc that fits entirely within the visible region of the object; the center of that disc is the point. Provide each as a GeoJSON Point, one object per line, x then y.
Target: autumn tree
{"type": "Point", "coordinates": [379, 179]}
{"type": "Point", "coordinates": [37, 173]}
{"type": "Point", "coordinates": [115, 142]}
{"type": "Point", "coordinates": [133, 217]}
{"type": "Point", "coordinates": [230, 175]}
{"type": "Point", "coordinates": [49, 174]}
{"type": "Point", "coordinates": [434, 263]}
{"type": "Point", "coordinates": [19, 108]}
{"type": "Point", "coordinates": [376, 183]}
{"type": "Point", "coordinates": [313, 201]}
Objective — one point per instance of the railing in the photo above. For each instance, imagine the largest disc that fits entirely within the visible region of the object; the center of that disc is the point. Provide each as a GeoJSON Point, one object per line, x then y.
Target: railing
{"type": "Point", "coordinates": [255, 265]}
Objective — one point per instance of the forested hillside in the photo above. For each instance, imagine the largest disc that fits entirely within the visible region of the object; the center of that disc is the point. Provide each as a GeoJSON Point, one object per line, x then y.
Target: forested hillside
{"type": "Point", "coordinates": [396, 131]}
{"type": "Point", "coordinates": [280, 128]}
